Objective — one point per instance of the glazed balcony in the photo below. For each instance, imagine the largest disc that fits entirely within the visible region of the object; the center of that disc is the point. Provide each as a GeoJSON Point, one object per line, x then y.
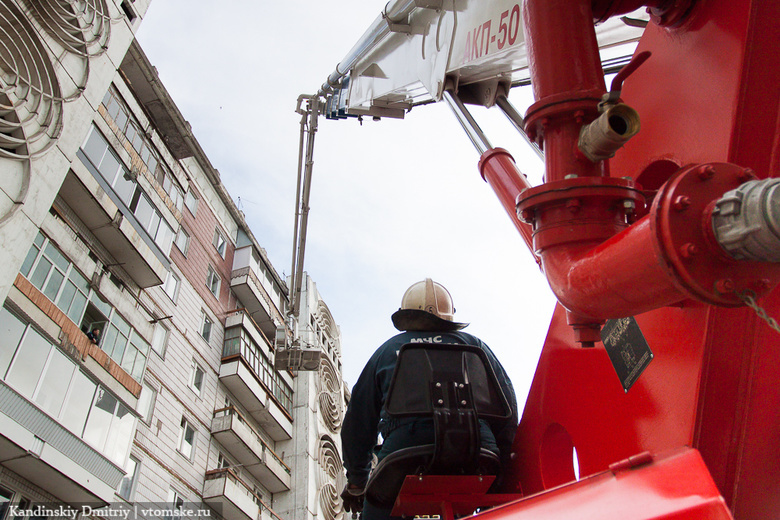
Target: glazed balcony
{"type": "Point", "coordinates": [41, 450]}
{"type": "Point", "coordinates": [250, 285]}
{"type": "Point", "coordinates": [226, 493]}
{"type": "Point", "coordinates": [247, 372]}
{"type": "Point", "coordinates": [238, 437]}
{"type": "Point", "coordinates": [98, 207]}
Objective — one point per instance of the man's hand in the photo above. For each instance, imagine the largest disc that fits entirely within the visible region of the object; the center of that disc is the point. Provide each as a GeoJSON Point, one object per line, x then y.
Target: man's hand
{"type": "Point", "coordinates": [353, 499]}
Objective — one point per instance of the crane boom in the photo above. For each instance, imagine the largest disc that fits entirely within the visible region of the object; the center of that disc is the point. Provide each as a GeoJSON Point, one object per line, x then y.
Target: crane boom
{"type": "Point", "coordinates": [413, 48]}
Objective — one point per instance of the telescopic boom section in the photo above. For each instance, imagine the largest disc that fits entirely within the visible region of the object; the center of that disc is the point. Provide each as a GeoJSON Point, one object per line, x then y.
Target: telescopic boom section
{"type": "Point", "coordinates": [309, 108]}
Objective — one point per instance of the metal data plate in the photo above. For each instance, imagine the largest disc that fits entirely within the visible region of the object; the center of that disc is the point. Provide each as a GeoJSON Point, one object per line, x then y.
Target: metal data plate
{"type": "Point", "coordinates": [627, 348]}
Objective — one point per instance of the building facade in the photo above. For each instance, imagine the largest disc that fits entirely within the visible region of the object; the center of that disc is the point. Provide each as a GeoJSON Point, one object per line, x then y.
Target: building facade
{"type": "Point", "coordinates": [139, 311]}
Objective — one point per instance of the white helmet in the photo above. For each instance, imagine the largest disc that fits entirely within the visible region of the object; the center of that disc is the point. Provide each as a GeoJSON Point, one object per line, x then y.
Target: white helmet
{"type": "Point", "coordinates": [426, 305]}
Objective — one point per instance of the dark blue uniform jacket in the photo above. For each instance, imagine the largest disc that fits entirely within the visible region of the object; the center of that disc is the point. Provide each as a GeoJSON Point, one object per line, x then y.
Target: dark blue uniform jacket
{"type": "Point", "coordinates": [364, 419]}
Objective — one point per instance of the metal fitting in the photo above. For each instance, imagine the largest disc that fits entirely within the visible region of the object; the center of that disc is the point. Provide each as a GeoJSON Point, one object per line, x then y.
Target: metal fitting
{"type": "Point", "coordinates": [746, 221]}
{"type": "Point", "coordinates": [609, 132]}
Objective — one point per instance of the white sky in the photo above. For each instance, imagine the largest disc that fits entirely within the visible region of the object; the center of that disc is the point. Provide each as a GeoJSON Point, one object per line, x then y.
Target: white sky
{"type": "Point", "coordinates": [392, 202]}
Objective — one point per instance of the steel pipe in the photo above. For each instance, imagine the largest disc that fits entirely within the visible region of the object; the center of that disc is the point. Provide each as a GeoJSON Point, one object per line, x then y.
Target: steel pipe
{"type": "Point", "coordinates": [518, 122]}
{"type": "Point", "coordinates": [568, 82]}
{"type": "Point", "coordinates": [475, 133]}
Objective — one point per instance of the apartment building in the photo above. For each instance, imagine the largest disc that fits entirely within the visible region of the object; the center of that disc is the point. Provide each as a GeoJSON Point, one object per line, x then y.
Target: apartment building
{"type": "Point", "coordinates": [139, 311]}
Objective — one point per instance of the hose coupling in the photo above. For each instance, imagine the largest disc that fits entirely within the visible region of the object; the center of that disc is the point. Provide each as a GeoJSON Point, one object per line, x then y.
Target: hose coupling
{"type": "Point", "coordinates": [746, 221]}
{"type": "Point", "coordinates": [600, 139]}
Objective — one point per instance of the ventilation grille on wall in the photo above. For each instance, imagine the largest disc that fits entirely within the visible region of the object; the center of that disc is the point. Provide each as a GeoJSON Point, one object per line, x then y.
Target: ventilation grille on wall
{"type": "Point", "coordinates": [331, 479]}
{"type": "Point", "coordinates": [30, 95]}
{"type": "Point", "coordinates": [329, 398]}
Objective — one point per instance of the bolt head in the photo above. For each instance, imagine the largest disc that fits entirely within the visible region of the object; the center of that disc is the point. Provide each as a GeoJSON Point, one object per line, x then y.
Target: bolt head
{"type": "Point", "coordinates": [688, 250]}
{"type": "Point", "coordinates": [706, 172]}
{"type": "Point", "coordinates": [681, 203]}
{"type": "Point", "coordinates": [746, 175]}
{"type": "Point", "coordinates": [725, 286]}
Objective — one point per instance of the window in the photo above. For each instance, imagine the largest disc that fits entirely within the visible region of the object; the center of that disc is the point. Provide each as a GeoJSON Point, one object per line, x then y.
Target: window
{"type": "Point", "coordinates": [175, 500]}
{"type": "Point", "coordinates": [117, 110]}
{"type": "Point", "coordinates": [46, 376]}
{"type": "Point", "coordinates": [11, 330]}
{"type": "Point", "coordinates": [160, 339]}
{"type": "Point", "coordinates": [171, 187]}
{"type": "Point", "coordinates": [182, 241]}
{"type": "Point", "coordinates": [127, 484]}
{"type": "Point", "coordinates": [197, 377]}
{"type": "Point", "coordinates": [191, 201]}
{"type": "Point", "coordinates": [205, 329]}
{"type": "Point", "coordinates": [186, 442]}
{"type": "Point", "coordinates": [219, 243]}
{"type": "Point", "coordinates": [146, 402]}
{"type": "Point", "coordinates": [134, 360]}
{"type": "Point", "coordinates": [213, 282]}
{"type": "Point", "coordinates": [222, 461]}
{"type": "Point", "coordinates": [101, 157]}
{"type": "Point", "coordinates": [53, 274]}
{"type": "Point", "coordinates": [5, 500]}
{"type": "Point", "coordinates": [109, 426]}
{"type": "Point", "coordinates": [171, 286]}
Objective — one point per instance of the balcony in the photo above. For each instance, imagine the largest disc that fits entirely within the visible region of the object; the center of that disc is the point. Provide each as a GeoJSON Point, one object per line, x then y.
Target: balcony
{"type": "Point", "coordinates": [231, 429]}
{"type": "Point", "coordinates": [247, 371]}
{"type": "Point", "coordinates": [232, 498]}
{"type": "Point", "coordinates": [250, 289]}
{"type": "Point", "coordinates": [39, 449]}
{"type": "Point", "coordinates": [237, 376]}
{"type": "Point", "coordinates": [138, 255]}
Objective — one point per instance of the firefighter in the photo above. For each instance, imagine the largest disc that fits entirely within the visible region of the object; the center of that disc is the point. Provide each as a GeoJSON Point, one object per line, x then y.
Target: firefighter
{"type": "Point", "coordinates": [426, 315]}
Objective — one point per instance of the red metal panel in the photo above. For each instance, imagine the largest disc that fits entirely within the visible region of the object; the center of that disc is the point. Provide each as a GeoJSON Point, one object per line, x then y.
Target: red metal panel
{"type": "Point", "coordinates": [677, 486]}
{"type": "Point", "coordinates": [710, 93]}
{"type": "Point", "coordinates": [577, 400]}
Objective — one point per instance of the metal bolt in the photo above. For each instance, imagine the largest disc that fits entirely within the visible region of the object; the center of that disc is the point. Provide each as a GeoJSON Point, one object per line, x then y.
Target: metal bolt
{"type": "Point", "coordinates": [571, 176]}
{"type": "Point", "coordinates": [573, 205]}
{"type": "Point", "coordinates": [460, 385]}
{"type": "Point", "coordinates": [579, 116]}
{"type": "Point", "coordinates": [463, 403]}
{"type": "Point", "coordinates": [629, 205]}
{"type": "Point", "coordinates": [681, 203]}
{"type": "Point", "coordinates": [438, 385]}
{"type": "Point", "coordinates": [725, 286]}
{"type": "Point", "coordinates": [688, 250]}
{"type": "Point", "coordinates": [706, 172]}
{"type": "Point", "coordinates": [441, 401]}
{"type": "Point", "coordinates": [526, 215]}
{"type": "Point", "coordinates": [746, 175]}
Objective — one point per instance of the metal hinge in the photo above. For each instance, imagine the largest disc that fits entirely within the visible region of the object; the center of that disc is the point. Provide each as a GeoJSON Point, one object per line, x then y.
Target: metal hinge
{"type": "Point", "coordinates": [635, 461]}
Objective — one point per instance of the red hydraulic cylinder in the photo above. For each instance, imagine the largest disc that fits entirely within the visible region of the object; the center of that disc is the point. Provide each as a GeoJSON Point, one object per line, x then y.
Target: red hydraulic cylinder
{"type": "Point", "coordinates": [498, 169]}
